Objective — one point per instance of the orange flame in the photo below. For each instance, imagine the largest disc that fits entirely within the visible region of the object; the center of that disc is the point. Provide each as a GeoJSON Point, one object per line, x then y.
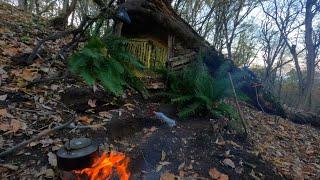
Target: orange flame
{"type": "Point", "coordinates": [104, 166]}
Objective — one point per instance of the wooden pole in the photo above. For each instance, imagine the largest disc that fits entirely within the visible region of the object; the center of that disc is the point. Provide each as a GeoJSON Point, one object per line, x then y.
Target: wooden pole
{"type": "Point", "coordinates": [237, 104]}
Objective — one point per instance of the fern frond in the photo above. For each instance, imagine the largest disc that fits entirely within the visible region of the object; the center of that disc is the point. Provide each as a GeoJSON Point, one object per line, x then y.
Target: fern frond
{"type": "Point", "coordinates": [189, 110]}
{"type": "Point", "coordinates": [109, 63]}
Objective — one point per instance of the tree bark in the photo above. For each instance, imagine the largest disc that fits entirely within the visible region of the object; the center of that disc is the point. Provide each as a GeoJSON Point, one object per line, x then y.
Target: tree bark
{"type": "Point", "coordinates": [117, 29]}
{"type": "Point", "coordinates": [298, 68]}
{"type": "Point", "coordinates": [311, 53]}
{"type": "Point", "coordinates": [61, 21]}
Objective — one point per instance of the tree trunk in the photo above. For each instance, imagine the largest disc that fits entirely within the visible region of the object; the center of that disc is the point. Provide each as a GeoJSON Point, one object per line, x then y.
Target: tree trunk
{"type": "Point", "coordinates": [311, 55]}
{"type": "Point", "coordinates": [298, 69]}
{"type": "Point", "coordinates": [117, 29]}
{"type": "Point", "coordinates": [36, 2]}
{"type": "Point", "coordinates": [61, 21]}
{"type": "Point", "coordinates": [23, 4]}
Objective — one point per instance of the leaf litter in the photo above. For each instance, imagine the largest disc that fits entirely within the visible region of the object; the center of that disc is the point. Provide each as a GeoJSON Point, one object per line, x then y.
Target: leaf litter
{"type": "Point", "coordinates": [292, 149]}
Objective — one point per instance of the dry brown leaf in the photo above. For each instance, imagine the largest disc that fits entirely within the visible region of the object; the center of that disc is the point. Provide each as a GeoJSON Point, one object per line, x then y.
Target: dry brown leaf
{"type": "Point", "coordinates": [167, 176]}
{"type": "Point", "coordinates": [163, 155]}
{"type": "Point", "coordinates": [85, 119]}
{"type": "Point", "coordinates": [181, 166]}
{"type": "Point", "coordinates": [164, 163]}
{"type": "Point", "coordinates": [54, 87]}
{"type": "Point", "coordinates": [10, 51]}
{"type": "Point", "coordinates": [92, 103]}
{"type": "Point", "coordinates": [4, 126]}
{"type": "Point", "coordinates": [215, 174]}
{"type": "Point", "coordinates": [105, 114]}
{"type": "Point", "coordinates": [224, 177]}
{"type": "Point", "coordinates": [52, 158]}
{"type": "Point", "coordinates": [159, 167]}
{"type": "Point", "coordinates": [3, 97]}
{"type": "Point", "coordinates": [32, 144]}
{"type": "Point", "coordinates": [46, 142]}
{"type": "Point", "coordinates": [49, 173]}
{"type": "Point", "coordinates": [4, 113]}
{"type": "Point", "coordinates": [229, 162]}
{"type": "Point", "coordinates": [16, 125]}
{"type": "Point", "coordinates": [161, 164]}
{"type": "Point", "coordinates": [153, 129]}
{"type": "Point", "coordinates": [129, 106]}
{"type": "Point", "coordinates": [29, 75]}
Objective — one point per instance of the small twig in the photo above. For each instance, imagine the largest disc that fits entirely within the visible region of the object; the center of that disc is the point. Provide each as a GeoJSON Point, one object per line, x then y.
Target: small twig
{"type": "Point", "coordinates": [87, 126]}
{"type": "Point", "coordinates": [237, 104]}
{"type": "Point", "coordinates": [38, 136]}
{"type": "Point", "coordinates": [28, 110]}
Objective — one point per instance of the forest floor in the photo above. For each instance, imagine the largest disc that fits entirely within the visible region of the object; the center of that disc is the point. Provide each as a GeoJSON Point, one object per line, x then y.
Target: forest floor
{"type": "Point", "coordinates": [34, 96]}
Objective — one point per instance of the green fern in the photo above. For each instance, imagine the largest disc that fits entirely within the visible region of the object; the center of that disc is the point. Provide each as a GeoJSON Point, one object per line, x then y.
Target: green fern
{"type": "Point", "coordinates": [194, 90]}
{"type": "Point", "coordinates": [107, 62]}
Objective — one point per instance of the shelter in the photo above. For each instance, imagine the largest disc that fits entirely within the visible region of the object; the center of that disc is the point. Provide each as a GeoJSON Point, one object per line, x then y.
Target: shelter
{"type": "Point", "coordinates": [158, 36]}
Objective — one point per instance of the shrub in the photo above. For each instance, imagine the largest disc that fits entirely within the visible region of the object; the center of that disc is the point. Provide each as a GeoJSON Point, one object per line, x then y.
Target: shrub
{"type": "Point", "coordinates": [108, 63]}
{"type": "Point", "coordinates": [193, 90]}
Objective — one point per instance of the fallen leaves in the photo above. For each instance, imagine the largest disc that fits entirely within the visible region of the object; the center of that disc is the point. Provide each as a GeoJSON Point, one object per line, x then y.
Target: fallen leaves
{"type": "Point", "coordinates": [229, 162]}
{"type": "Point", "coordinates": [49, 173]}
{"type": "Point", "coordinates": [167, 176]}
{"type": "Point", "coordinates": [92, 103]}
{"type": "Point", "coordinates": [4, 113]}
{"type": "Point", "coordinates": [3, 97]}
{"type": "Point", "coordinates": [161, 164]}
{"type": "Point", "coordinates": [13, 126]}
{"type": "Point", "coordinates": [85, 119]}
{"type": "Point", "coordinates": [163, 155]}
{"type": "Point", "coordinates": [288, 146]}
{"type": "Point", "coordinates": [129, 106]}
{"type": "Point", "coordinates": [16, 125]}
{"type": "Point", "coordinates": [29, 75]}
{"type": "Point", "coordinates": [11, 51]}
{"type": "Point", "coordinates": [52, 158]}
{"type": "Point", "coordinates": [217, 175]}
{"type": "Point", "coordinates": [105, 114]}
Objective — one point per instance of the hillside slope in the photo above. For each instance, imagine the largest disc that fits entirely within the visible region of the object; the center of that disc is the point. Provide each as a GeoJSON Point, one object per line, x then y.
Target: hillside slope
{"type": "Point", "coordinates": [35, 96]}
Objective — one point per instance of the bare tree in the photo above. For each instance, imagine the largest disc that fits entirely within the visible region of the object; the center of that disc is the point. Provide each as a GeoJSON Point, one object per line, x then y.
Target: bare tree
{"type": "Point", "coordinates": [289, 17]}
{"type": "Point", "coordinates": [310, 47]}
{"type": "Point", "coordinates": [235, 13]}
{"type": "Point", "coordinates": [272, 46]}
{"type": "Point", "coordinates": [287, 21]}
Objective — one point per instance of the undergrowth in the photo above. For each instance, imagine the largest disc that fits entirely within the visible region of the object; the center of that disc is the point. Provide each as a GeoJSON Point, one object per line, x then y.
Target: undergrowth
{"type": "Point", "coordinates": [194, 91]}
{"type": "Point", "coordinates": [106, 61]}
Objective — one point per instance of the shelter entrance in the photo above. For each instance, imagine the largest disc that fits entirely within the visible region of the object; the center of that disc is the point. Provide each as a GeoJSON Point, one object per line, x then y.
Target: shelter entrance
{"type": "Point", "coordinates": [151, 53]}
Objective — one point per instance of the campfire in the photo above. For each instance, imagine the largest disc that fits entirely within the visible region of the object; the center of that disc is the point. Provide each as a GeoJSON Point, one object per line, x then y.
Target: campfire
{"type": "Point", "coordinates": [81, 157]}
{"type": "Point", "coordinates": [105, 167]}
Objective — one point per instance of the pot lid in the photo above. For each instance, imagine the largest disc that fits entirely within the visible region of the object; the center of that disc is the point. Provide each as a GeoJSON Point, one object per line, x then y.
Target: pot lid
{"type": "Point", "coordinates": [78, 143]}
{"type": "Point", "coordinates": [77, 148]}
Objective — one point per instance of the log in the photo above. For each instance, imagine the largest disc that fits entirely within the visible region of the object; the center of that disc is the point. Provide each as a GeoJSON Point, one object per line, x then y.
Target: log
{"type": "Point", "coordinates": [302, 117]}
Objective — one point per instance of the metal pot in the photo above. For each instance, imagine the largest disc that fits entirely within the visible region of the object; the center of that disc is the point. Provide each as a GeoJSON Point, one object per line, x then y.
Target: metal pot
{"type": "Point", "coordinates": [77, 154]}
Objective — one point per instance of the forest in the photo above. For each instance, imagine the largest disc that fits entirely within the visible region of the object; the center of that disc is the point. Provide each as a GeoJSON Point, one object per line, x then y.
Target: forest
{"type": "Point", "coordinates": [159, 89]}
